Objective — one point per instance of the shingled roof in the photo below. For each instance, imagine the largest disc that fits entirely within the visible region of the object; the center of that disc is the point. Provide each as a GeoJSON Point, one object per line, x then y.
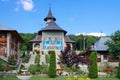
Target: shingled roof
{"type": "Point", "coordinates": [68, 40]}
{"type": "Point", "coordinates": [36, 39]}
{"type": "Point", "coordinates": [100, 44]}
{"type": "Point", "coordinates": [13, 32]}
{"type": "Point", "coordinates": [51, 26]}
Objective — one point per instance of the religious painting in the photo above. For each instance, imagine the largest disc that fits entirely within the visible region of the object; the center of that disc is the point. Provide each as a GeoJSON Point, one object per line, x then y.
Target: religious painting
{"type": "Point", "coordinates": [52, 43]}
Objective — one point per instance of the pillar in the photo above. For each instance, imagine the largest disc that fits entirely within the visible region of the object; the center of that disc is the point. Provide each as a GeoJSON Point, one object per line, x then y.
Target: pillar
{"type": "Point", "coordinates": [8, 44]}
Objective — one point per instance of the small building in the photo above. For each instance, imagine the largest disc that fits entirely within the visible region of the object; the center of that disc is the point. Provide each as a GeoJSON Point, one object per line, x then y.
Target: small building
{"type": "Point", "coordinates": [102, 49]}
{"type": "Point", "coordinates": [52, 37]}
{"type": "Point", "coordinates": [9, 42]}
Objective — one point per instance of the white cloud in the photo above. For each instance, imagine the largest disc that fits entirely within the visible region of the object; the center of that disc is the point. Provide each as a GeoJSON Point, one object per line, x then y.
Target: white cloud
{"type": "Point", "coordinates": [27, 4]}
{"type": "Point", "coordinates": [98, 34]}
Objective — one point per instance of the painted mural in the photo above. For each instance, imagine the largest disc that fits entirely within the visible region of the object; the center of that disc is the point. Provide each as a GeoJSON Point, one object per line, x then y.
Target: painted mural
{"type": "Point", "coordinates": [52, 41]}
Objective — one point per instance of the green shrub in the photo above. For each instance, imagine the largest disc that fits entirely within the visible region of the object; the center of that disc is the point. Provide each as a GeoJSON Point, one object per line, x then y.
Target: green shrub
{"type": "Point", "coordinates": [32, 69]}
{"type": "Point", "coordinates": [118, 70]}
{"type": "Point", "coordinates": [26, 58]}
{"type": "Point", "coordinates": [93, 68]}
{"type": "Point", "coordinates": [42, 52]}
{"type": "Point", "coordinates": [47, 58]}
{"type": "Point", "coordinates": [38, 68]}
{"type": "Point", "coordinates": [3, 64]}
{"type": "Point", "coordinates": [37, 59]}
{"type": "Point", "coordinates": [79, 72]}
{"type": "Point", "coordinates": [52, 68]}
{"type": "Point", "coordinates": [22, 67]}
{"type": "Point", "coordinates": [44, 69]}
{"type": "Point", "coordinates": [11, 60]}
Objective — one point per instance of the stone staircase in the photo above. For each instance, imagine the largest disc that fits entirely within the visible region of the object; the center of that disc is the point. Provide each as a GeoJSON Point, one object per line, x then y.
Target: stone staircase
{"type": "Point", "coordinates": [31, 61]}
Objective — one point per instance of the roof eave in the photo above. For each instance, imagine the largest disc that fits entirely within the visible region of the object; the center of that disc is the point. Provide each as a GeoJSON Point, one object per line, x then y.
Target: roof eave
{"type": "Point", "coordinates": [14, 32]}
{"type": "Point", "coordinates": [40, 32]}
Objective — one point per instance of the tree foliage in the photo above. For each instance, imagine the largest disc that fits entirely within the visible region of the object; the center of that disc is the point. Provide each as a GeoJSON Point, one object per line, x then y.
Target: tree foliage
{"type": "Point", "coordinates": [3, 65]}
{"type": "Point", "coordinates": [118, 70]}
{"type": "Point", "coordinates": [11, 60]}
{"type": "Point", "coordinates": [114, 44]}
{"type": "Point", "coordinates": [81, 39]}
{"type": "Point", "coordinates": [37, 59]}
{"type": "Point", "coordinates": [52, 68]}
{"type": "Point", "coordinates": [27, 37]}
{"type": "Point", "coordinates": [70, 58]}
{"type": "Point", "coordinates": [93, 69]}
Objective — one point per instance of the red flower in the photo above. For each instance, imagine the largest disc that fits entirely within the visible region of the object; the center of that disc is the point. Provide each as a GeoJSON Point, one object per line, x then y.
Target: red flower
{"type": "Point", "coordinates": [60, 69]}
{"type": "Point", "coordinates": [108, 70]}
{"type": "Point", "coordinates": [7, 69]}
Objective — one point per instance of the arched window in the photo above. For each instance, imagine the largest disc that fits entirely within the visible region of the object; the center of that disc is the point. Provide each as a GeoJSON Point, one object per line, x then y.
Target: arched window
{"type": "Point", "coordinates": [37, 45]}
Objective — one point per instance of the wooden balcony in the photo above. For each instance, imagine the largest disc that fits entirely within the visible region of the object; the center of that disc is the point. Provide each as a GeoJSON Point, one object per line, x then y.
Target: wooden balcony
{"type": "Point", "coordinates": [3, 40]}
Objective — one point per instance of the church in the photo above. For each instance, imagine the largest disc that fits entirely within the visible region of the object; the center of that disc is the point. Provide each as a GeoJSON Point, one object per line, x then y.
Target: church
{"type": "Point", "coordinates": [52, 37]}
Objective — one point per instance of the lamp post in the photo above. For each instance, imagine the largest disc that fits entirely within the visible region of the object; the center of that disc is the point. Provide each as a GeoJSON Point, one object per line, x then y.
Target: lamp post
{"type": "Point", "coordinates": [84, 43]}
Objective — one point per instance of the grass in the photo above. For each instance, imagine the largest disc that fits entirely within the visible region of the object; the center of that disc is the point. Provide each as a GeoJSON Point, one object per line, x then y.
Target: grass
{"type": "Point", "coordinates": [47, 78]}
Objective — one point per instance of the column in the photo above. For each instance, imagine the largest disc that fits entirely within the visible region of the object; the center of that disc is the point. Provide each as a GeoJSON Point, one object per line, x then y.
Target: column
{"type": "Point", "coordinates": [8, 44]}
{"type": "Point", "coordinates": [102, 59]}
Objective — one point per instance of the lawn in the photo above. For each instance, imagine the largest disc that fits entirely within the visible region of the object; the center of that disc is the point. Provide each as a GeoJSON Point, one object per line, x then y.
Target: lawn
{"type": "Point", "coordinates": [57, 78]}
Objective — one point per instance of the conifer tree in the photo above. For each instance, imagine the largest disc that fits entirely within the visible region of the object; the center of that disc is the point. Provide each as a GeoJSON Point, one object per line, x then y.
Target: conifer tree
{"type": "Point", "coordinates": [93, 69]}
{"type": "Point", "coordinates": [52, 68]}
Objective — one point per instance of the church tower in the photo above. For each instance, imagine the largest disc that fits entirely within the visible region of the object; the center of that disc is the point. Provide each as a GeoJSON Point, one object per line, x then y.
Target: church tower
{"type": "Point", "coordinates": [52, 34]}
{"type": "Point", "coordinates": [51, 37]}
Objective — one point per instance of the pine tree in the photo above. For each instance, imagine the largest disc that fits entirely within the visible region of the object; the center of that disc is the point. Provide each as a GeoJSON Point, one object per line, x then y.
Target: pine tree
{"type": "Point", "coordinates": [93, 69]}
{"type": "Point", "coordinates": [52, 68]}
{"type": "Point", "coordinates": [118, 71]}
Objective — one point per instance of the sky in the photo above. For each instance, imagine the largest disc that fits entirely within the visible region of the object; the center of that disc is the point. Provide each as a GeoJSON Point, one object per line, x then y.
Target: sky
{"type": "Point", "coordinates": [74, 16]}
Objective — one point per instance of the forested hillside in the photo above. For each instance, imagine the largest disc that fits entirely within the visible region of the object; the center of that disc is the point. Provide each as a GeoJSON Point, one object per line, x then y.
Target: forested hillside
{"type": "Point", "coordinates": [83, 42]}
{"type": "Point", "coordinates": [27, 37]}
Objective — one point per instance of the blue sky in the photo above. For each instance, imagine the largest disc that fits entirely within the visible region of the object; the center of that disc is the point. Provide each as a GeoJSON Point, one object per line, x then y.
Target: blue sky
{"type": "Point", "coordinates": [75, 16]}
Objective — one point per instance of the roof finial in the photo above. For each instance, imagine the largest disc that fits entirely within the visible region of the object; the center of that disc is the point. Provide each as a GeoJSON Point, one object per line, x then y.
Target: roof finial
{"type": "Point", "coordinates": [49, 6]}
{"type": "Point", "coordinates": [50, 16]}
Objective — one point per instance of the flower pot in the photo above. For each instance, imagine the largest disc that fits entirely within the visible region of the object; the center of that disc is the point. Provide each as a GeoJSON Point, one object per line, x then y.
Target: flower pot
{"type": "Point", "coordinates": [24, 77]}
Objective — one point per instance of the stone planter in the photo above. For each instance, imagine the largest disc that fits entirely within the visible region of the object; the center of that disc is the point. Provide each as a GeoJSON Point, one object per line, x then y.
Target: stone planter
{"type": "Point", "coordinates": [24, 77]}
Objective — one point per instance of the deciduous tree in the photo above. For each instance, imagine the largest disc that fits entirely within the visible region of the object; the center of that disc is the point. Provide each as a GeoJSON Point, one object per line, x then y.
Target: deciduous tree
{"type": "Point", "coordinates": [114, 44]}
